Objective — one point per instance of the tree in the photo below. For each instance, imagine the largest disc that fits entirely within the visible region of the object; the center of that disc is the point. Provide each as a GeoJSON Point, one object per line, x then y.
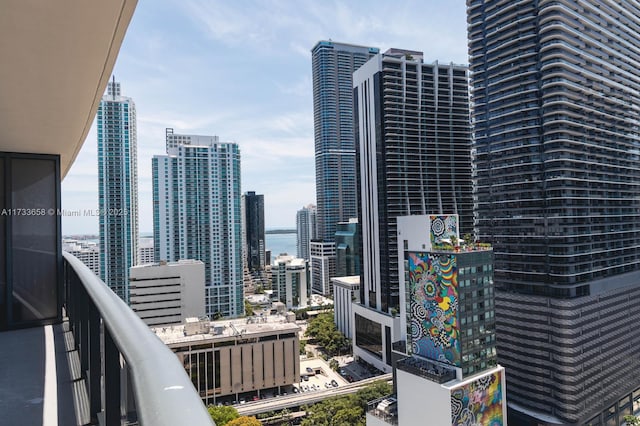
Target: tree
{"type": "Point", "coordinates": [324, 331]}
{"type": "Point", "coordinates": [345, 410]}
{"type": "Point", "coordinates": [632, 420]}
{"type": "Point", "coordinates": [244, 421]}
{"type": "Point", "coordinates": [334, 365]}
{"type": "Point", "coordinates": [222, 415]}
{"type": "Point", "coordinates": [248, 309]}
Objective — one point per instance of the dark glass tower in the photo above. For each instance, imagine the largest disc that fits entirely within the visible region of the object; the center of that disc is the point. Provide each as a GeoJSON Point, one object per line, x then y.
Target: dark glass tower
{"type": "Point", "coordinates": [556, 89]}
{"type": "Point", "coordinates": [333, 66]}
{"type": "Point", "coordinates": [253, 218]}
{"type": "Point", "coordinates": [414, 157]}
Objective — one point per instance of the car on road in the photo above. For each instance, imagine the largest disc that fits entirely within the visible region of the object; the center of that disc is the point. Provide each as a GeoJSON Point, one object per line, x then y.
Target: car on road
{"type": "Point", "coordinates": [305, 378]}
{"type": "Point", "coordinates": [295, 389]}
{"type": "Point", "coordinates": [309, 370]}
{"type": "Point", "coordinates": [334, 383]}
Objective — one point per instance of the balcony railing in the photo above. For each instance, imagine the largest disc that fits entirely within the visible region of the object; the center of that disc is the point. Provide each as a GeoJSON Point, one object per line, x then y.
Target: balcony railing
{"type": "Point", "coordinates": [157, 389]}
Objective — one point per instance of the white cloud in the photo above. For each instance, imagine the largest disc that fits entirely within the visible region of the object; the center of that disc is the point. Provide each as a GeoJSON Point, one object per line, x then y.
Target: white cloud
{"type": "Point", "coordinates": [241, 70]}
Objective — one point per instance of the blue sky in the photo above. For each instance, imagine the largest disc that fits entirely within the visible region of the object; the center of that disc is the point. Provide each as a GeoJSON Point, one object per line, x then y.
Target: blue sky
{"type": "Point", "coordinates": [241, 70]}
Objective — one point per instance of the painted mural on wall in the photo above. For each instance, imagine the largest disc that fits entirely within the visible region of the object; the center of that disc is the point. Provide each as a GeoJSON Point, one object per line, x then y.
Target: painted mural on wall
{"type": "Point", "coordinates": [478, 403]}
{"type": "Point", "coordinates": [433, 283]}
{"type": "Point", "coordinates": [443, 227]}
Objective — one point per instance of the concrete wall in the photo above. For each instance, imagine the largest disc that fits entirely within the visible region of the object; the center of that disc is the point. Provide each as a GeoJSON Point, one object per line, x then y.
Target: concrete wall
{"type": "Point", "coordinates": [167, 294]}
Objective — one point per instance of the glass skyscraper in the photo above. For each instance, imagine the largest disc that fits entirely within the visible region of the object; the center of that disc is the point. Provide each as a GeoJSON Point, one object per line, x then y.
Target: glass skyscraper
{"type": "Point", "coordinates": [556, 93]}
{"type": "Point", "coordinates": [118, 189]}
{"type": "Point", "coordinates": [306, 230]}
{"type": "Point", "coordinates": [253, 229]}
{"type": "Point", "coordinates": [197, 214]}
{"type": "Point", "coordinates": [414, 157]}
{"type": "Point", "coordinates": [333, 66]}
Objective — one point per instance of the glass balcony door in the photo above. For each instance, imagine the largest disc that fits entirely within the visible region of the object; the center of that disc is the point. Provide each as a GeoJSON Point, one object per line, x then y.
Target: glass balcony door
{"type": "Point", "coordinates": [30, 253]}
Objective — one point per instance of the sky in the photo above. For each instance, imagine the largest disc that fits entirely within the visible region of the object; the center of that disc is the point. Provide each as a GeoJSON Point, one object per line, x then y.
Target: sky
{"type": "Point", "coordinates": [241, 70]}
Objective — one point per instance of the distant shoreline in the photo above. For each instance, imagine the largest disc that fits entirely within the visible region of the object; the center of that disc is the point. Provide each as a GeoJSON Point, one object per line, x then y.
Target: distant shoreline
{"type": "Point", "coordinates": [280, 231]}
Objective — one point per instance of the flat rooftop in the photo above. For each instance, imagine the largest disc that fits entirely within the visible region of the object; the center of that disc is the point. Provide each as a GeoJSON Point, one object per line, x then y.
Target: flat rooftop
{"type": "Point", "coordinates": [223, 330]}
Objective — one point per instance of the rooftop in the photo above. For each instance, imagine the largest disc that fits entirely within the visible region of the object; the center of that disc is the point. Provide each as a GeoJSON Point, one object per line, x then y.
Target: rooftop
{"type": "Point", "coordinates": [437, 372]}
{"type": "Point", "coordinates": [446, 246]}
{"type": "Point", "coordinates": [350, 281]}
{"type": "Point", "coordinates": [164, 263]}
{"type": "Point", "coordinates": [240, 328]}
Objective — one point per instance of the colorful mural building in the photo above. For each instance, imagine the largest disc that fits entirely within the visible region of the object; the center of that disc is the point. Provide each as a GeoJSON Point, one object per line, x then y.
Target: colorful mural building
{"type": "Point", "coordinates": [445, 362]}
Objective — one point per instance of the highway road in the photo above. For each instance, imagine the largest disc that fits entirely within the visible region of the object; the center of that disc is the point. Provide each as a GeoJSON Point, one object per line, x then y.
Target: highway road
{"type": "Point", "coordinates": [294, 400]}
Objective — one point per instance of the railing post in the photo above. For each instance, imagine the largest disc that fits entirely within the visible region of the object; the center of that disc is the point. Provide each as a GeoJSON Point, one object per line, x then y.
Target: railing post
{"type": "Point", "coordinates": [95, 363]}
{"type": "Point", "coordinates": [111, 380]}
{"type": "Point", "coordinates": [83, 314]}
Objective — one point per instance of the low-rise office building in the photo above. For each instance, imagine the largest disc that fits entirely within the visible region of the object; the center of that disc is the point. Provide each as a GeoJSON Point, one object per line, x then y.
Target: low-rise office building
{"type": "Point", "coordinates": [346, 291]}
{"type": "Point", "coordinates": [237, 358]}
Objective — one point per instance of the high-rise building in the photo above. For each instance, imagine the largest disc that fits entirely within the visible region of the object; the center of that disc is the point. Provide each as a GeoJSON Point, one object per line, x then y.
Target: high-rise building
{"type": "Point", "coordinates": [146, 251]}
{"type": "Point", "coordinates": [253, 231]}
{"type": "Point", "coordinates": [118, 189]}
{"type": "Point", "coordinates": [414, 157]}
{"type": "Point", "coordinates": [323, 266]}
{"type": "Point", "coordinates": [290, 277]}
{"type": "Point", "coordinates": [306, 228]}
{"type": "Point", "coordinates": [556, 89]}
{"type": "Point", "coordinates": [197, 214]}
{"type": "Point", "coordinates": [446, 362]}
{"type": "Point", "coordinates": [348, 249]}
{"type": "Point", "coordinates": [88, 252]}
{"type": "Point", "coordinates": [167, 293]}
{"type": "Point", "coordinates": [333, 65]}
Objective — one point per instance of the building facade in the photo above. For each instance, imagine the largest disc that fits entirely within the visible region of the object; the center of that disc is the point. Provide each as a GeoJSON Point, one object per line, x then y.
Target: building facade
{"type": "Point", "coordinates": [197, 214]}
{"type": "Point", "coordinates": [333, 65]}
{"type": "Point", "coordinates": [118, 188]}
{"type": "Point", "coordinates": [346, 292]}
{"type": "Point", "coordinates": [555, 89]}
{"type": "Point", "coordinates": [253, 230]}
{"type": "Point", "coordinates": [414, 157]}
{"type": "Point", "coordinates": [446, 356]}
{"type": "Point", "coordinates": [167, 293]}
{"type": "Point", "coordinates": [306, 229]}
{"type": "Point", "coordinates": [348, 258]}
{"type": "Point", "coordinates": [88, 252]}
{"type": "Point", "coordinates": [290, 281]}
{"type": "Point", "coordinates": [237, 359]}
{"type": "Point", "coordinates": [323, 266]}
{"type": "Point", "coordinates": [146, 251]}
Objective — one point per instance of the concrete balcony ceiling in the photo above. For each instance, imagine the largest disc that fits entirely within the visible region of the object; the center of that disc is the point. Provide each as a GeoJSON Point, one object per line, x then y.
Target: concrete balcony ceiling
{"type": "Point", "coordinates": [56, 59]}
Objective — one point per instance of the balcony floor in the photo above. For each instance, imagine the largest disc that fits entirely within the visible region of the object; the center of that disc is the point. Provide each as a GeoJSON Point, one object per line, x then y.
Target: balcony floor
{"type": "Point", "coordinates": [32, 360]}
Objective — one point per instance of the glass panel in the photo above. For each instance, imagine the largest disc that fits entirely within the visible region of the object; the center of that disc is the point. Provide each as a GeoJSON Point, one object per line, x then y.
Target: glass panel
{"type": "Point", "coordinates": [34, 239]}
{"type": "Point", "coordinates": [3, 239]}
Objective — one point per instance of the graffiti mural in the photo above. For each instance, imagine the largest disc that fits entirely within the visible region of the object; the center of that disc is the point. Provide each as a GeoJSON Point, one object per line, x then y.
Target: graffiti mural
{"type": "Point", "coordinates": [443, 227]}
{"type": "Point", "coordinates": [433, 283]}
{"type": "Point", "coordinates": [478, 403]}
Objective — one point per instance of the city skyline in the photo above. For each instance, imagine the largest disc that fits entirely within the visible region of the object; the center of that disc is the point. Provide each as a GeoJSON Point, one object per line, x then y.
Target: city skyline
{"type": "Point", "coordinates": [210, 86]}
